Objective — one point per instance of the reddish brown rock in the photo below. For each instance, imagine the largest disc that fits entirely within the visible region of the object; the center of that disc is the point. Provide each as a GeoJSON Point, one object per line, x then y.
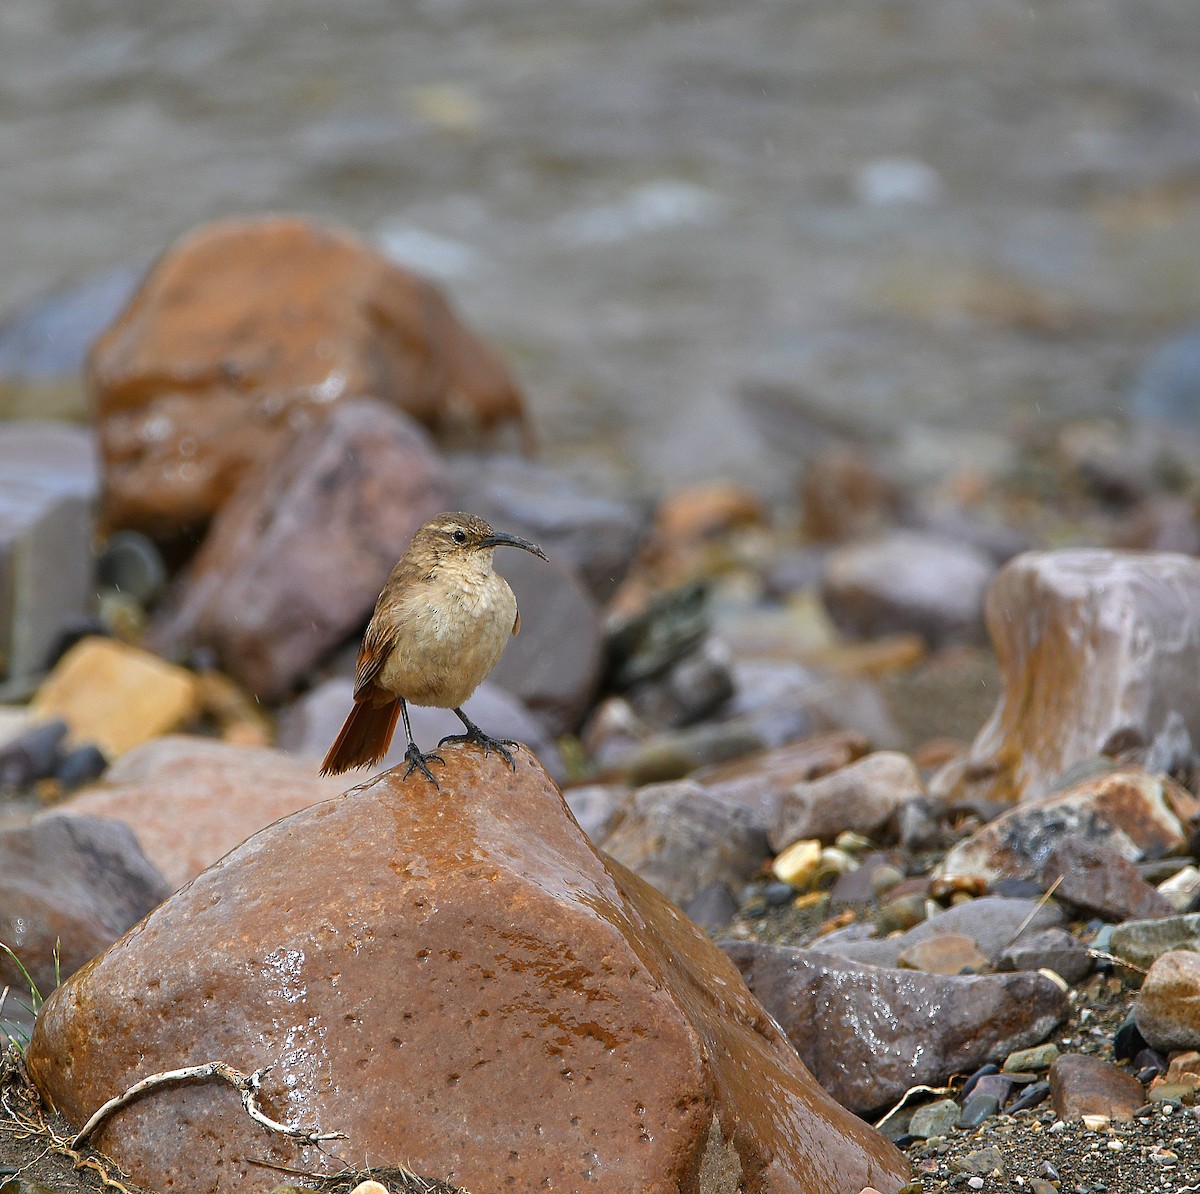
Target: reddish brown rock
{"type": "Point", "coordinates": [1135, 814]}
{"type": "Point", "coordinates": [869, 1033]}
{"type": "Point", "coordinates": [1097, 881]}
{"type": "Point", "coordinates": [294, 561]}
{"type": "Point", "coordinates": [1097, 650]}
{"type": "Point", "coordinates": [1081, 1084]}
{"type": "Point", "coordinates": [456, 980]}
{"type": "Point", "coordinates": [71, 883]}
{"type": "Point", "coordinates": [844, 496]}
{"type": "Point", "coordinates": [1167, 1010]}
{"type": "Point", "coordinates": [947, 953]}
{"type": "Point", "coordinates": [191, 800]}
{"type": "Point", "coordinates": [245, 331]}
{"type": "Point", "coordinates": [862, 796]}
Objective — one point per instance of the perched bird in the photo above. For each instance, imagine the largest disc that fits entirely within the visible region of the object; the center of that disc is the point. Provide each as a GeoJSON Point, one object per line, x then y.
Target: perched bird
{"type": "Point", "coordinates": [439, 626]}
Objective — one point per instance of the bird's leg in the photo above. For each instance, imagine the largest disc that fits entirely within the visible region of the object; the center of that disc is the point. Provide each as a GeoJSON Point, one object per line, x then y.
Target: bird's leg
{"type": "Point", "coordinates": [475, 734]}
{"type": "Point", "coordinates": [416, 760]}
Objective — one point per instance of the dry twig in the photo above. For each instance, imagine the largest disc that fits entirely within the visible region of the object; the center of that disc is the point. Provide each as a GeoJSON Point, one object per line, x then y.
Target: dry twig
{"type": "Point", "coordinates": [247, 1085]}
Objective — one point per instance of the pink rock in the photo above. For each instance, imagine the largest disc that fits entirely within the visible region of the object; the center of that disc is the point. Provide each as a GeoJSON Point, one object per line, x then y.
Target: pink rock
{"type": "Point", "coordinates": [191, 800]}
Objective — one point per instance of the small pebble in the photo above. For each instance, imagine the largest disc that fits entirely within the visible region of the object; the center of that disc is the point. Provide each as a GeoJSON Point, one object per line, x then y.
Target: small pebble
{"type": "Point", "coordinates": [976, 1183]}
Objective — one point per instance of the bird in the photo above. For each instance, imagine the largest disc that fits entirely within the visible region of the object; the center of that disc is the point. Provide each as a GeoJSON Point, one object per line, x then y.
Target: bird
{"type": "Point", "coordinates": [439, 627]}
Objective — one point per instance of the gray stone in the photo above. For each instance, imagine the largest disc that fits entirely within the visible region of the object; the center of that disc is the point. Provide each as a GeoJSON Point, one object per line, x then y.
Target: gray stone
{"type": "Point", "coordinates": [934, 1119]}
{"type": "Point", "coordinates": [712, 907]}
{"type": "Point", "coordinates": [309, 725]}
{"type": "Point", "coordinates": [48, 484]}
{"type": "Point", "coordinates": [680, 838]}
{"type": "Point", "coordinates": [595, 806]}
{"type": "Point", "coordinates": [862, 796]}
{"type": "Point", "coordinates": [80, 881]}
{"type": "Point", "coordinates": [1031, 1060]}
{"type": "Point", "coordinates": [52, 337]}
{"type": "Point", "coordinates": [595, 535]}
{"type": "Point", "coordinates": [883, 1030]}
{"type": "Point", "coordinates": [553, 666]}
{"type": "Point", "coordinates": [991, 922]}
{"type": "Point", "coordinates": [908, 581]}
{"type": "Point", "coordinates": [1048, 949]}
{"type": "Point", "coordinates": [1142, 942]}
{"type": "Point", "coordinates": [690, 689]}
{"type": "Point", "coordinates": [1097, 881]}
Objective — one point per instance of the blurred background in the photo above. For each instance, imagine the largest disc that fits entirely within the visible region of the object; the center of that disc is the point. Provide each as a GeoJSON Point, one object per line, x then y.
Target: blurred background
{"type": "Point", "coordinates": [702, 234]}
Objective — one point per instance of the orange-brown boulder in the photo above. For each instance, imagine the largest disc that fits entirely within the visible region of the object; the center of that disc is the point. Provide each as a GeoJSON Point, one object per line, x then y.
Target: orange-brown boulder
{"type": "Point", "coordinates": [457, 981]}
{"type": "Point", "coordinates": [1099, 652]}
{"type": "Point", "coordinates": [245, 331]}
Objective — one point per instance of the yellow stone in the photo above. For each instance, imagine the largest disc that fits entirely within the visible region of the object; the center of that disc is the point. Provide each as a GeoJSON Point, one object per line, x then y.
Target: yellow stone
{"type": "Point", "coordinates": [117, 696]}
{"type": "Point", "coordinates": [798, 864]}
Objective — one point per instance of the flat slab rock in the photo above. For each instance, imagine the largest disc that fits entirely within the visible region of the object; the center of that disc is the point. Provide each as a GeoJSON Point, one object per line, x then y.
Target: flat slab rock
{"type": "Point", "coordinates": [869, 1033]}
{"type": "Point", "coordinates": [456, 980]}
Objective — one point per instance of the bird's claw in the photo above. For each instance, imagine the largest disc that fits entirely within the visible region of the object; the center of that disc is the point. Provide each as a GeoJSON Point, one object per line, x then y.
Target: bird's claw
{"type": "Point", "coordinates": [501, 746]}
{"type": "Point", "coordinates": [420, 762]}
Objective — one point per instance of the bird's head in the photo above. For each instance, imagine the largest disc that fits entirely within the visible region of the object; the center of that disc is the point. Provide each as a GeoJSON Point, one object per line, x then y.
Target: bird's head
{"type": "Point", "coordinates": [458, 537]}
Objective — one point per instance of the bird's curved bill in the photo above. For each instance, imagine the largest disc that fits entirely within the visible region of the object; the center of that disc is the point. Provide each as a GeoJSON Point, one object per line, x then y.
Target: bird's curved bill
{"type": "Point", "coordinates": [503, 539]}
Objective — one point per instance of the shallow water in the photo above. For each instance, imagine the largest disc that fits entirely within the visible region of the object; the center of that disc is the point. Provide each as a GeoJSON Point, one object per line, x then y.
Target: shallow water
{"type": "Point", "coordinates": [682, 220]}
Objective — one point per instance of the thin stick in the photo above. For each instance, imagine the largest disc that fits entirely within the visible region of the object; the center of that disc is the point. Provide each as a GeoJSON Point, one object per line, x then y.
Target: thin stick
{"type": "Point", "coordinates": [1042, 901]}
{"type": "Point", "coordinates": [914, 1090]}
{"type": "Point", "coordinates": [247, 1085]}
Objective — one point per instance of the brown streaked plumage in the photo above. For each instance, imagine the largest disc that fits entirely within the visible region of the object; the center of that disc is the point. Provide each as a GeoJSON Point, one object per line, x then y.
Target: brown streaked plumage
{"type": "Point", "coordinates": [439, 626]}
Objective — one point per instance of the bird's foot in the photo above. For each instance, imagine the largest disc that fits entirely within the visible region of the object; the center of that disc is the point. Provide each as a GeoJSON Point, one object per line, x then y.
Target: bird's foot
{"type": "Point", "coordinates": [420, 762]}
{"type": "Point", "coordinates": [501, 746]}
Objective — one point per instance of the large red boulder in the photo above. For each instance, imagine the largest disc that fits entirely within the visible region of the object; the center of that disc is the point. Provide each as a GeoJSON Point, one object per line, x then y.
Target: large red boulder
{"type": "Point", "coordinates": [458, 981]}
{"type": "Point", "coordinates": [247, 330]}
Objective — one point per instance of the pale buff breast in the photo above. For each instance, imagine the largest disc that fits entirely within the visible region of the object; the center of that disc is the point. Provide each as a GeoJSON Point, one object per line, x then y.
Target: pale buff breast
{"type": "Point", "coordinates": [452, 633]}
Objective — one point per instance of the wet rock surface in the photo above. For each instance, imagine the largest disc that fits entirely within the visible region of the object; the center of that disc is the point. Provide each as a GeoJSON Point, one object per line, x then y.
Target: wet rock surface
{"type": "Point", "coordinates": [584, 968]}
{"type": "Point", "coordinates": [245, 331]}
{"type": "Point", "coordinates": [294, 561]}
{"type": "Point", "coordinates": [1096, 650]}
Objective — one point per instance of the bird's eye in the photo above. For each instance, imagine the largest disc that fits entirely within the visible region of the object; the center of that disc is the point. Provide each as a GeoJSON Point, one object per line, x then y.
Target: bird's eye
{"type": "Point", "coordinates": [460, 536]}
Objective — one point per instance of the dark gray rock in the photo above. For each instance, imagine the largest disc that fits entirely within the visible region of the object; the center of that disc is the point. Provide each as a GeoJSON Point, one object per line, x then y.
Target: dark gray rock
{"type": "Point", "coordinates": [82, 881]}
{"type": "Point", "coordinates": [595, 535]}
{"type": "Point", "coordinates": [680, 838]}
{"type": "Point", "coordinates": [1048, 949]}
{"type": "Point", "coordinates": [883, 1030]}
{"type": "Point", "coordinates": [48, 483]}
{"type": "Point", "coordinates": [554, 665]}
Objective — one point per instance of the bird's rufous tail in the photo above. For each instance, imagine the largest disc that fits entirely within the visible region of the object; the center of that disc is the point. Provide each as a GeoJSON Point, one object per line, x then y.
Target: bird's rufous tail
{"type": "Point", "coordinates": [364, 739]}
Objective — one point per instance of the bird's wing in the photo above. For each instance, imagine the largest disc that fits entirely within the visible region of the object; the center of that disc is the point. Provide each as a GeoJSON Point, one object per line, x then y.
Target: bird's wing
{"type": "Point", "coordinates": [376, 646]}
{"type": "Point", "coordinates": [517, 623]}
